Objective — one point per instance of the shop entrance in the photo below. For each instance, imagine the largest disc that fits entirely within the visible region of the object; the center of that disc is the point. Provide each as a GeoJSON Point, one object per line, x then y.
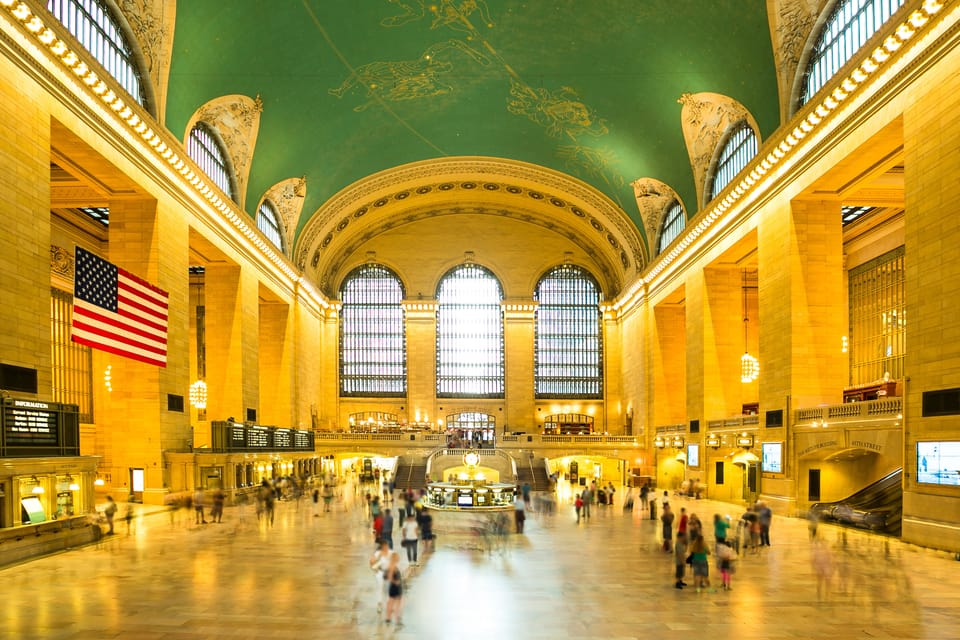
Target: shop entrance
{"type": "Point", "coordinates": [136, 484]}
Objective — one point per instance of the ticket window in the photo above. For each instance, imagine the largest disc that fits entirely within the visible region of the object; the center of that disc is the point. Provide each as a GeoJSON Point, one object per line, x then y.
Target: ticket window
{"type": "Point", "coordinates": [69, 498]}
{"type": "Point", "coordinates": [34, 501]}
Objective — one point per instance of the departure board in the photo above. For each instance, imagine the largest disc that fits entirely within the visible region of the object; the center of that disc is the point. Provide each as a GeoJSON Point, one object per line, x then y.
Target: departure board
{"type": "Point", "coordinates": [31, 423]}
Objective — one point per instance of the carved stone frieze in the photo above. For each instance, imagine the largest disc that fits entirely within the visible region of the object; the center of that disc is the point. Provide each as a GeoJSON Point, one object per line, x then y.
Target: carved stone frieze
{"type": "Point", "coordinates": [705, 119]}
{"type": "Point", "coordinates": [287, 196]}
{"type": "Point", "coordinates": [152, 24]}
{"type": "Point", "coordinates": [653, 199]}
{"type": "Point", "coordinates": [791, 32]}
{"type": "Point", "coordinates": [236, 119]}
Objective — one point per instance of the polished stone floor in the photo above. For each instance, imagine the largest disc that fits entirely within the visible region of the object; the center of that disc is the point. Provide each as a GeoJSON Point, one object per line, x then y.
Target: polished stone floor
{"type": "Point", "coordinates": [307, 577]}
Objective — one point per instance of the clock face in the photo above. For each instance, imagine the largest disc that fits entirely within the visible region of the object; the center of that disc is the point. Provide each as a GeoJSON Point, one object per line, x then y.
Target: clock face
{"type": "Point", "coordinates": [471, 459]}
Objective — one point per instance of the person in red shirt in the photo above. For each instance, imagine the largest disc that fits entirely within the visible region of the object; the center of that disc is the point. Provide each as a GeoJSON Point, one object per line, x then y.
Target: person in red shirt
{"type": "Point", "coordinates": [682, 524]}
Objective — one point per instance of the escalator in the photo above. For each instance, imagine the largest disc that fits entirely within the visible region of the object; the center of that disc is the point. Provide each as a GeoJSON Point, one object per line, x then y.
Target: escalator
{"type": "Point", "coordinates": [877, 507]}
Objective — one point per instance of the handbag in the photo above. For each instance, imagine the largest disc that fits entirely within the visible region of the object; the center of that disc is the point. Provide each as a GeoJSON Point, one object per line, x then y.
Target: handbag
{"type": "Point", "coordinates": [690, 559]}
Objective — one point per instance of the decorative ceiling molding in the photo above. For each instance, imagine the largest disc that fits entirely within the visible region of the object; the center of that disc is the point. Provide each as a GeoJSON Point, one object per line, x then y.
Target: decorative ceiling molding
{"type": "Point", "coordinates": [705, 119]}
{"type": "Point", "coordinates": [341, 258]}
{"type": "Point", "coordinates": [791, 31]}
{"type": "Point", "coordinates": [653, 199]}
{"type": "Point", "coordinates": [287, 196]}
{"type": "Point", "coordinates": [490, 183]}
{"type": "Point", "coordinates": [152, 23]}
{"type": "Point", "coordinates": [236, 119]}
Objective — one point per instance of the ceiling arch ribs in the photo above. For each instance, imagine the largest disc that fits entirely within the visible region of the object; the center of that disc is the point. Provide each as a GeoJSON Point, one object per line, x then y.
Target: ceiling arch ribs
{"type": "Point", "coordinates": [653, 200]}
{"type": "Point", "coordinates": [488, 185]}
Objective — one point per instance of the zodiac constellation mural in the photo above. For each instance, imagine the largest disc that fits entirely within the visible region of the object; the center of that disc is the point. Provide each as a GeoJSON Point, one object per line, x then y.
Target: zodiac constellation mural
{"type": "Point", "coordinates": [561, 112]}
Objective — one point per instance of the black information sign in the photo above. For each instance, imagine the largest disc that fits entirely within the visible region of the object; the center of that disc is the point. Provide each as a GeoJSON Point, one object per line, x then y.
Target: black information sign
{"type": "Point", "coordinates": [31, 423]}
{"type": "Point", "coordinates": [258, 437]}
{"type": "Point", "coordinates": [282, 439]}
{"type": "Point", "coordinates": [302, 441]}
{"type": "Point", "coordinates": [229, 436]}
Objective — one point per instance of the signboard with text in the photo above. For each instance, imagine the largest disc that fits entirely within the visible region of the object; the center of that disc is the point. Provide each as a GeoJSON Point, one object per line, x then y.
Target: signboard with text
{"type": "Point", "coordinates": [37, 428]}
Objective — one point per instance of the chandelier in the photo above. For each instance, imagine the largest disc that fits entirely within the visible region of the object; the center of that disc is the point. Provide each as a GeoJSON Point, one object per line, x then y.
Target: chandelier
{"type": "Point", "coordinates": [198, 394]}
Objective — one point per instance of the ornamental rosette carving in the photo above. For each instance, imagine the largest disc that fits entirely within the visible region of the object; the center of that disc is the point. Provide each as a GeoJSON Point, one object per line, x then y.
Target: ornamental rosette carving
{"type": "Point", "coordinates": [61, 262]}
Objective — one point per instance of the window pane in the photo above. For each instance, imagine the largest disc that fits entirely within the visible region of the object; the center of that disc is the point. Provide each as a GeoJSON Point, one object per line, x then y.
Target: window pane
{"type": "Point", "coordinates": [98, 32]}
{"type": "Point", "coordinates": [373, 348]}
{"type": "Point", "coordinates": [851, 24]}
{"type": "Point", "coordinates": [268, 223]}
{"type": "Point", "coordinates": [877, 319]}
{"type": "Point", "coordinates": [673, 224]}
{"type": "Point", "coordinates": [72, 362]}
{"type": "Point", "coordinates": [567, 343]}
{"type": "Point", "coordinates": [469, 334]}
{"type": "Point", "coordinates": [740, 149]}
{"type": "Point", "coordinates": [203, 147]}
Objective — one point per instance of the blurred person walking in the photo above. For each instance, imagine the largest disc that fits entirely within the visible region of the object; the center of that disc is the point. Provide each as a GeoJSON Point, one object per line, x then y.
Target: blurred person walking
{"type": "Point", "coordinates": [666, 521]}
{"type": "Point", "coordinates": [394, 580]}
{"type": "Point", "coordinates": [379, 562]}
{"type": "Point", "coordinates": [680, 559]}
{"type": "Point", "coordinates": [410, 536]}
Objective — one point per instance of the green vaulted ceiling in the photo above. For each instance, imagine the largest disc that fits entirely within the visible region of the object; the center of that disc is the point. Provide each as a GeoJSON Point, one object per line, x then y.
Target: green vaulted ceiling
{"type": "Point", "coordinates": [586, 87]}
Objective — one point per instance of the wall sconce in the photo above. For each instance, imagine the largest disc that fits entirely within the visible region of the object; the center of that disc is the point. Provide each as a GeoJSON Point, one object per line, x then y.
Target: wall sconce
{"type": "Point", "coordinates": [659, 442]}
{"type": "Point", "coordinates": [37, 489]}
{"type": "Point", "coordinates": [108, 378]}
{"type": "Point", "coordinates": [745, 440]}
{"type": "Point", "coordinates": [677, 442]}
{"type": "Point", "coordinates": [98, 482]}
{"type": "Point", "coordinates": [713, 441]}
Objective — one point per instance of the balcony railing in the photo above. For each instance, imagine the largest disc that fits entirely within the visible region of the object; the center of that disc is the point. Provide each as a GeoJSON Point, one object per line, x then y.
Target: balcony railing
{"type": "Point", "coordinates": [890, 407]}
{"type": "Point", "coordinates": [515, 441]}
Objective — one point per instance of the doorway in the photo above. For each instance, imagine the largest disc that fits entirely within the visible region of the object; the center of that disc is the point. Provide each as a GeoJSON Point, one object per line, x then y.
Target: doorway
{"type": "Point", "coordinates": [813, 485]}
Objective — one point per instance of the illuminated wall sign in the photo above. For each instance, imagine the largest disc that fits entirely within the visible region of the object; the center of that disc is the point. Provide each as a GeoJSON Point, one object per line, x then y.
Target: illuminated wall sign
{"type": "Point", "coordinates": [34, 428]}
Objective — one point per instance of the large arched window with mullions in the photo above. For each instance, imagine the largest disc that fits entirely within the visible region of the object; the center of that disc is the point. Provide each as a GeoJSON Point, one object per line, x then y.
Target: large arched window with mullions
{"type": "Point", "coordinates": [94, 26]}
{"type": "Point", "coordinates": [268, 221]}
{"type": "Point", "coordinates": [373, 348]}
{"type": "Point", "coordinates": [469, 334]}
{"type": "Point", "coordinates": [568, 344]}
{"type": "Point", "coordinates": [204, 147]}
{"type": "Point", "coordinates": [737, 152]}
{"type": "Point", "coordinates": [850, 24]}
{"type": "Point", "coordinates": [673, 223]}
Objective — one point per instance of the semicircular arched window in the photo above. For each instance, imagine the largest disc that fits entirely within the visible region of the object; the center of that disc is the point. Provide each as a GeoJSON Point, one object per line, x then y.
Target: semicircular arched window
{"type": "Point", "coordinates": [737, 152]}
{"type": "Point", "coordinates": [98, 31]}
{"type": "Point", "coordinates": [205, 149]}
{"type": "Point", "coordinates": [850, 24]}
{"type": "Point", "coordinates": [469, 334]}
{"type": "Point", "coordinates": [373, 347]}
{"type": "Point", "coordinates": [268, 221]}
{"type": "Point", "coordinates": [673, 223]}
{"type": "Point", "coordinates": [568, 344]}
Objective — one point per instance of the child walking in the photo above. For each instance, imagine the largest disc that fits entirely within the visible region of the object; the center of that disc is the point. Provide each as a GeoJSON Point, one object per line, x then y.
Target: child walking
{"type": "Point", "coordinates": [680, 558]}
{"type": "Point", "coordinates": [725, 556]}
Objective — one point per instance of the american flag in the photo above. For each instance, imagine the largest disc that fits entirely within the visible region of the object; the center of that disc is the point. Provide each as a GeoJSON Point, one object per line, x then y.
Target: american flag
{"type": "Point", "coordinates": [117, 312]}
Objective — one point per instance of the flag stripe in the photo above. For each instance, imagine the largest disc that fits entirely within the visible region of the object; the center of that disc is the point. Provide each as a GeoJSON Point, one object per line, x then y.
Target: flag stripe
{"type": "Point", "coordinates": [125, 302]}
{"type": "Point", "coordinates": [91, 329]}
{"type": "Point", "coordinates": [119, 322]}
{"type": "Point", "coordinates": [137, 290]}
{"type": "Point", "coordinates": [117, 312]}
{"type": "Point", "coordinates": [99, 344]}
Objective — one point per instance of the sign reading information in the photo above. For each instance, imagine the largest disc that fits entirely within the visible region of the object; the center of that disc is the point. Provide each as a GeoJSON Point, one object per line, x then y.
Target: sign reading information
{"type": "Point", "coordinates": [36, 428]}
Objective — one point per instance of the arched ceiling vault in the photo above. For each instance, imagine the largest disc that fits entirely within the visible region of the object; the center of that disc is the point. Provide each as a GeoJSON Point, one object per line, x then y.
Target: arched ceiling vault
{"type": "Point", "coordinates": [554, 203]}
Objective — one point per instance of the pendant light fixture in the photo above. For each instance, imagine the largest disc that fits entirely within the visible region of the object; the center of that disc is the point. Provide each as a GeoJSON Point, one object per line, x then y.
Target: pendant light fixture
{"type": "Point", "coordinates": [749, 366]}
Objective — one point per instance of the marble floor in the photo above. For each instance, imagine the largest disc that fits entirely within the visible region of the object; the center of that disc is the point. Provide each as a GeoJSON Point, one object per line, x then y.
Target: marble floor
{"type": "Point", "coordinates": [307, 577]}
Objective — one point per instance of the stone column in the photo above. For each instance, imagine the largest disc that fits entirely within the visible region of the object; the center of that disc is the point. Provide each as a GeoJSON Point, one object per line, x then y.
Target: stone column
{"type": "Point", "coordinates": [518, 337]}
{"type": "Point", "coordinates": [276, 365]}
{"type": "Point", "coordinates": [421, 325]}
{"type": "Point", "coordinates": [723, 343]}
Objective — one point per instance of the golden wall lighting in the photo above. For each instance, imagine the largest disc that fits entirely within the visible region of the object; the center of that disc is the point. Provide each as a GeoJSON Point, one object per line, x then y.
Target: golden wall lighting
{"type": "Point", "coordinates": [659, 442]}
{"type": "Point", "coordinates": [677, 442]}
{"type": "Point", "coordinates": [198, 394]}
{"type": "Point", "coordinates": [108, 378]}
{"type": "Point", "coordinates": [745, 440]}
{"type": "Point", "coordinates": [713, 441]}
{"type": "Point", "coordinates": [37, 487]}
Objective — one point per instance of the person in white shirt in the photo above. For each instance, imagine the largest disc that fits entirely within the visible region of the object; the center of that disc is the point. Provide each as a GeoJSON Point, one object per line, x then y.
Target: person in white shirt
{"type": "Point", "coordinates": [410, 538]}
{"type": "Point", "coordinates": [379, 562]}
{"type": "Point", "coordinates": [519, 512]}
